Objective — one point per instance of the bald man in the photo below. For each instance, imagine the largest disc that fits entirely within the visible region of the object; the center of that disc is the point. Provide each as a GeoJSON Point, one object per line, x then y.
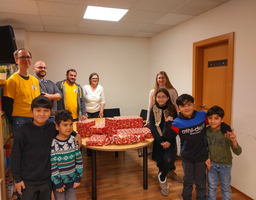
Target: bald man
{"type": "Point", "coordinates": [47, 87]}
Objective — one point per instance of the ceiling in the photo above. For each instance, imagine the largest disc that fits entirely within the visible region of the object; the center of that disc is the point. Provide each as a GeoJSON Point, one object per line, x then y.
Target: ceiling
{"type": "Point", "coordinates": [145, 18]}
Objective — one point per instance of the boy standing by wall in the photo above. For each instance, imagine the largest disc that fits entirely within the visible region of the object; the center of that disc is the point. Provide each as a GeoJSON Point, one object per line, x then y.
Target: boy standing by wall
{"type": "Point", "coordinates": [191, 125]}
{"type": "Point", "coordinates": [66, 159]}
{"type": "Point", "coordinates": [219, 163]}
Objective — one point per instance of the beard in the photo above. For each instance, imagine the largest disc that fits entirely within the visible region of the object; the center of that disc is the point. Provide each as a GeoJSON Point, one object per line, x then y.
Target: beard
{"type": "Point", "coordinates": [40, 75]}
{"type": "Point", "coordinates": [71, 81]}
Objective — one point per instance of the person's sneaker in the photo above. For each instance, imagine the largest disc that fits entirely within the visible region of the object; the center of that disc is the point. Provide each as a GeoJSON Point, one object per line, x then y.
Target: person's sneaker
{"type": "Point", "coordinates": [163, 186]}
{"type": "Point", "coordinates": [171, 174]}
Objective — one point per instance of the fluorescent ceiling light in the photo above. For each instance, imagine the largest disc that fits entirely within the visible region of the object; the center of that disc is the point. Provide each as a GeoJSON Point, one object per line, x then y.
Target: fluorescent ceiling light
{"type": "Point", "coordinates": [103, 13]}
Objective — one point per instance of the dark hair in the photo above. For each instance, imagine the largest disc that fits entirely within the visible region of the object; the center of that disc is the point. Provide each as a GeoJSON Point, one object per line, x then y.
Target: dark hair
{"type": "Point", "coordinates": [93, 74]}
{"type": "Point", "coordinates": [15, 53]}
{"type": "Point", "coordinates": [216, 110]}
{"type": "Point", "coordinates": [62, 115]}
{"type": "Point", "coordinates": [171, 110]}
{"type": "Point", "coordinates": [183, 99]}
{"type": "Point", "coordinates": [41, 102]}
{"type": "Point", "coordinates": [71, 70]}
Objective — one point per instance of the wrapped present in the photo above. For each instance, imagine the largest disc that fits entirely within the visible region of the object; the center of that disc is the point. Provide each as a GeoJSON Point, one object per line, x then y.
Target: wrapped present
{"type": "Point", "coordinates": [83, 127]}
{"type": "Point", "coordinates": [124, 122]}
{"type": "Point", "coordinates": [110, 126]}
{"type": "Point", "coordinates": [98, 128]}
{"type": "Point", "coordinates": [96, 140]}
{"type": "Point", "coordinates": [109, 140]}
{"type": "Point", "coordinates": [124, 137]}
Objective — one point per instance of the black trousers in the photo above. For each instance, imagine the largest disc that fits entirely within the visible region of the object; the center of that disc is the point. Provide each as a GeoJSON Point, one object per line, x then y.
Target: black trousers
{"type": "Point", "coordinates": [194, 172]}
{"type": "Point", "coordinates": [93, 115]}
{"type": "Point", "coordinates": [37, 192]}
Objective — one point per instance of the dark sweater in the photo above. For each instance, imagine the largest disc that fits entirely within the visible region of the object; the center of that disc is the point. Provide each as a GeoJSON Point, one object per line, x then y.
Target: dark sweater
{"type": "Point", "coordinates": [30, 154]}
{"type": "Point", "coordinates": [192, 132]}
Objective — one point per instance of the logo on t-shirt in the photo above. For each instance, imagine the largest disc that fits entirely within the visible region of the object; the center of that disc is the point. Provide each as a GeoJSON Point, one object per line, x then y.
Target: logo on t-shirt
{"type": "Point", "coordinates": [75, 91]}
{"type": "Point", "coordinates": [33, 87]}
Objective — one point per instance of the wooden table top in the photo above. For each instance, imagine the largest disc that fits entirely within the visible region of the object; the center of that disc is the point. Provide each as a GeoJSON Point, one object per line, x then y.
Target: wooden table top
{"type": "Point", "coordinates": [114, 147]}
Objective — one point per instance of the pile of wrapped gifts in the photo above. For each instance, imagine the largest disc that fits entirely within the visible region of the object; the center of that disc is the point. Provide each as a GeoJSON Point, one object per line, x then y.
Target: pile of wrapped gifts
{"type": "Point", "coordinates": [117, 130]}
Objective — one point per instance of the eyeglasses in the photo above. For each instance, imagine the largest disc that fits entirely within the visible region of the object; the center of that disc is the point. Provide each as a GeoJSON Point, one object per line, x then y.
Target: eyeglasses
{"type": "Point", "coordinates": [161, 97]}
{"type": "Point", "coordinates": [42, 68]}
{"type": "Point", "coordinates": [25, 57]}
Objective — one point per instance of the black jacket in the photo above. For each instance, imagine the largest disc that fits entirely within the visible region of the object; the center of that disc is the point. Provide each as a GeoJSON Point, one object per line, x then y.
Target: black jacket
{"type": "Point", "coordinates": [30, 154]}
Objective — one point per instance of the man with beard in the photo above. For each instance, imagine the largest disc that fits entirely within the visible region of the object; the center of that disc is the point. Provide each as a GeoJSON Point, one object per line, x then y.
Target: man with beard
{"type": "Point", "coordinates": [72, 96]}
{"type": "Point", "coordinates": [47, 87]}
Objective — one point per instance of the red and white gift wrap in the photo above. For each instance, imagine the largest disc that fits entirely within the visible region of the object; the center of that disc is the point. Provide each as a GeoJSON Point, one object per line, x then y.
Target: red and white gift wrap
{"type": "Point", "coordinates": [128, 122]}
{"type": "Point", "coordinates": [98, 128]}
{"type": "Point", "coordinates": [110, 126]}
{"type": "Point", "coordinates": [96, 140]}
{"type": "Point", "coordinates": [83, 127]}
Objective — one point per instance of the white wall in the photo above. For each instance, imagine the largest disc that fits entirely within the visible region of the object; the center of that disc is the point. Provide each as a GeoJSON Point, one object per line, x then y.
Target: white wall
{"type": "Point", "coordinates": [173, 50]}
{"type": "Point", "coordinates": [121, 62]}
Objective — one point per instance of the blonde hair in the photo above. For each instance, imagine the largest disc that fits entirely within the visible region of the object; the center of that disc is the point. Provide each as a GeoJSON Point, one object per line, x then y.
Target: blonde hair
{"type": "Point", "coordinates": [168, 84]}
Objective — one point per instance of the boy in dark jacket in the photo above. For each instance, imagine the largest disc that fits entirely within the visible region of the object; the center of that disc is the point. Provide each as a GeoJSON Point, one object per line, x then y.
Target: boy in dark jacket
{"type": "Point", "coordinates": [30, 154]}
{"type": "Point", "coordinates": [191, 125]}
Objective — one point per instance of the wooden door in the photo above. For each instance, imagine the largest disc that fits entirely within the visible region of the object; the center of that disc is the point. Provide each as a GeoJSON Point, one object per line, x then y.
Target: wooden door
{"type": "Point", "coordinates": [213, 74]}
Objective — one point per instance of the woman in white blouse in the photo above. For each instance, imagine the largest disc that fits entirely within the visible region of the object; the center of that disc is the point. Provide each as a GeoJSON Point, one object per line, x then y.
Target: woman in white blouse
{"type": "Point", "coordinates": [94, 97]}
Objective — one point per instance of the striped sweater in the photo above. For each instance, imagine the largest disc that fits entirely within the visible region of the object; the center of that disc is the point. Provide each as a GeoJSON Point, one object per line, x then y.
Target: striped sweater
{"type": "Point", "coordinates": [66, 163]}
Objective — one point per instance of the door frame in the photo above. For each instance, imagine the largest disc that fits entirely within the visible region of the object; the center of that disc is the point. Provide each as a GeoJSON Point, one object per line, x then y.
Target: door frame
{"type": "Point", "coordinates": [198, 70]}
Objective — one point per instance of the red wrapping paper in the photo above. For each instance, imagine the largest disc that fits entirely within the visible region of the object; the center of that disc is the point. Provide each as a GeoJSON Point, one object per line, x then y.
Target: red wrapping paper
{"type": "Point", "coordinates": [96, 140]}
{"type": "Point", "coordinates": [83, 127]}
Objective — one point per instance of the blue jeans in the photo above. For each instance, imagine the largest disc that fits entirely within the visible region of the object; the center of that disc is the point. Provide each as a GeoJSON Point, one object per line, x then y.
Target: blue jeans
{"type": "Point", "coordinates": [18, 121]}
{"type": "Point", "coordinates": [51, 119]}
{"type": "Point", "coordinates": [223, 172]}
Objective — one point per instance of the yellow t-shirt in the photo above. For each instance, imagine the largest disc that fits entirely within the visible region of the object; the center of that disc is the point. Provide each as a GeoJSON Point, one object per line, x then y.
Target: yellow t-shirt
{"type": "Point", "coordinates": [71, 99]}
{"type": "Point", "coordinates": [22, 92]}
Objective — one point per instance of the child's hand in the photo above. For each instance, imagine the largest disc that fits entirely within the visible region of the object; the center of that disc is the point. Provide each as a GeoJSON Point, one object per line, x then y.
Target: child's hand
{"type": "Point", "coordinates": [78, 140]}
{"type": "Point", "coordinates": [166, 145]}
{"type": "Point", "coordinates": [61, 189]}
{"type": "Point", "coordinates": [169, 118]}
{"type": "Point", "coordinates": [208, 163]}
{"type": "Point", "coordinates": [76, 184]}
{"type": "Point", "coordinates": [232, 137]}
{"type": "Point", "coordinates": [20, 186]}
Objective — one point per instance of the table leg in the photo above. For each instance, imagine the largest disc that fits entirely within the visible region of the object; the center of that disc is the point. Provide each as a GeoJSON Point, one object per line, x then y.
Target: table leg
{"type": "Point", "coordinates": [145, 168]}
{"type": "Point", "coordinates": [94, 177]}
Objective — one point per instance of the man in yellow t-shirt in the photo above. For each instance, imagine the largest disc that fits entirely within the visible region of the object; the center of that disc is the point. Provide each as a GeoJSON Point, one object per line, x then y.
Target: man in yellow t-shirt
{"type": "Point", "coordinates": [72, 96]}
{"type": "Point", "coordinates": [19, 91]}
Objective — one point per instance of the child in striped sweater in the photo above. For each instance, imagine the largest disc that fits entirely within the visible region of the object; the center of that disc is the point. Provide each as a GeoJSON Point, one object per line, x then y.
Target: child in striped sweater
{"type": "Point", "coordinates": [66, 159]}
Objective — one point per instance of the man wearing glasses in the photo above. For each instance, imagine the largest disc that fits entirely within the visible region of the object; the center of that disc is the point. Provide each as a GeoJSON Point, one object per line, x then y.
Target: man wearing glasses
{"type": "Point", "coordinates": [47, 87]}
{"type": "Point", "coordinates": [19, 91]}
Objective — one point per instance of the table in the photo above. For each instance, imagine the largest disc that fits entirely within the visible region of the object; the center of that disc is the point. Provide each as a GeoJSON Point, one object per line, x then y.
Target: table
{"type": "Point", "coordinates": [114, 147]}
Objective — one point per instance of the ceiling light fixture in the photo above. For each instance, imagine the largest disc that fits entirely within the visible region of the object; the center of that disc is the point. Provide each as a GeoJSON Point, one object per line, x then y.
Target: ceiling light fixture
{"type": "Point", "coordinates": [103, 13]}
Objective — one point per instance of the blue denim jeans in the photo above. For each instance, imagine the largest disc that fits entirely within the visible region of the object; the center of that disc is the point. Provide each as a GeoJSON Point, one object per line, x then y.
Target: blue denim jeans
{"type": "Point", "coordinates": [223, 172]}
{"type": "Point", "coordinates": [18, 121]}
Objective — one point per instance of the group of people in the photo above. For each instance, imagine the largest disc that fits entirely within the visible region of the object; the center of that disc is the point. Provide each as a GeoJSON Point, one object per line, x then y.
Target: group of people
{"type": "Point", "coordinates": [202, 146]}
{"type": "Point", "coordinates": [40, 146]}
{"type": "Point", "coordinates": [35, 103]}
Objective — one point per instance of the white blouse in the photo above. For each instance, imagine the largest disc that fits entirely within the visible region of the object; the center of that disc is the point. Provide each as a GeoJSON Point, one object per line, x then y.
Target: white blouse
{"type": "Point", "coordinates": [93, 100]}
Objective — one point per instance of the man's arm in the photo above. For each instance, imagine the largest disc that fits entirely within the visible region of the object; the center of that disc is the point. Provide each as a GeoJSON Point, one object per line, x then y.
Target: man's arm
{"type": "Point", "coordinates": [52, 97]}
{"type": "Point", "coordinates": [82, 104]}
{"type": "Point", "coordinates": [8, 107]}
